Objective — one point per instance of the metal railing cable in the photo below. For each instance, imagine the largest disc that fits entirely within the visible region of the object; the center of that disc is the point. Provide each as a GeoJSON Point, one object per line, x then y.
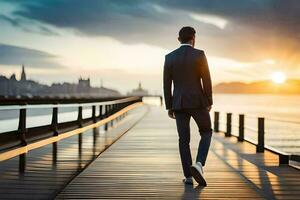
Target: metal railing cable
{"type": "Point", "coordinates": [274, 119]}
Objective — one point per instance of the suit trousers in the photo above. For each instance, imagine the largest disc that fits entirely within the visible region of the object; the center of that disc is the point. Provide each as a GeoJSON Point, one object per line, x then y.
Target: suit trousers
{"type": "Point", "coordinates": [203, 121]}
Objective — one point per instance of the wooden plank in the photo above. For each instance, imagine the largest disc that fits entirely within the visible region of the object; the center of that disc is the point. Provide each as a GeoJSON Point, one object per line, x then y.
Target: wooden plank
{"type": "Point", "coordinates": [44, 177]}
{"type": "Point", "coordinates": [145, 164]}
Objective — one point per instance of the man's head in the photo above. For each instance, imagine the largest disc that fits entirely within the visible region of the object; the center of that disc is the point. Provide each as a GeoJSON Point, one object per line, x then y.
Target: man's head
{"type": "Point", "coordinates": [187, 35]}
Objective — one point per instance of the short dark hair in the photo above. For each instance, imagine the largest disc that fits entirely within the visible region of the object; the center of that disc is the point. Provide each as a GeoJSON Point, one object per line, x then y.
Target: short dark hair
{"type": "Point", "coordinates": [186, 34]}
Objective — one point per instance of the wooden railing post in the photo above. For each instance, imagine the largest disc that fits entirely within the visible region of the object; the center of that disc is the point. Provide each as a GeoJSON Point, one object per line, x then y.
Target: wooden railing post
{"type": "Point", "coordinates": [106, 115]}
{"type": "Point", "coordinates": [22, 126]}
{"type": "Point", "coordinates": [228, 124]}
{"type": "Point", "coordinates": [241, 127]}
{"type": "Point", "coordinates": [54, 127]}
{"type": "Point", "coordinates": [284, 159]}
{"type": "Point", "coordinates": [80, 147]}
{"type": "Point", "coordinates": [79, 118]}
{"type": "Point", "coordinates": [54, 154]}
{"type": "Point", "coordinates": [54, 121]}
{"type": "Point", "coordinates": [94, 113]}
{"type": "Point", "coordinates": [100, 112]}
{"type": "Point", "coordinates": [106, 111]}
{"type": "Point", "coordinates": [22, 163]}
{"type": "Point", "coordinates": [113, 108]}
{"type": "Point", "coordinates": [261, 135]}
{"type": "Point", "coordinates": [117, 110]}
{"type": "Point", "coordinates": [216, 121]}
{"type": "Point", "coordinates": [22, 134]}
{"type": "Point", "coordinates": [95, 135]}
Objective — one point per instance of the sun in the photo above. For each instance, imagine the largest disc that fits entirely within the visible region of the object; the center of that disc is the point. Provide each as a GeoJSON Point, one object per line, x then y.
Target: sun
{"type": "Point", "coordinates": [278, 77]}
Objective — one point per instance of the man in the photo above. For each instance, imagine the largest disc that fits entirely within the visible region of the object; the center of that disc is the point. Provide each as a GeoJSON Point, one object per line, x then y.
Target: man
{"type": "Point", "coordinates": [187, 68]}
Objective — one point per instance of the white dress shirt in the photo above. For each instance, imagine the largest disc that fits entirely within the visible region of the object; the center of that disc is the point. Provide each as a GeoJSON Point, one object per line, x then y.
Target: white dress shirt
{"type": "Point", "coordinates": [186, 44]}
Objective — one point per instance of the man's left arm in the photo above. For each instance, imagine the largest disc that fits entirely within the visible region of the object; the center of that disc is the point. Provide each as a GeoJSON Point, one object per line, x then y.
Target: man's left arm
{"type": "Point", "coordinates": [167, 85]}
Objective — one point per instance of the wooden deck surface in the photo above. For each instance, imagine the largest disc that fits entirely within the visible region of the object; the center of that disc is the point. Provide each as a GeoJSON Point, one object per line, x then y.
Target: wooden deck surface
{"type": "Point", "coordinates": [44, 177]}
{"type": "Point", "coordinates": [145, 164]}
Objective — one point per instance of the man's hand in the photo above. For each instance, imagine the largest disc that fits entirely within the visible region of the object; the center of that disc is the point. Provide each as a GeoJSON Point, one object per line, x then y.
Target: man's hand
{"type": "Point", "coordinates": [209, 108]}
{"type": "Point", "coordinates": [171, 114]}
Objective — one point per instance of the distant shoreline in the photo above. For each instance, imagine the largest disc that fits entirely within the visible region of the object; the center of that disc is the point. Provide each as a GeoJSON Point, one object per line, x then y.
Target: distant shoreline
{"type": "Point", "coordinates": [273, 94]}
{"type": "Point", "coordinates": [289, 87]}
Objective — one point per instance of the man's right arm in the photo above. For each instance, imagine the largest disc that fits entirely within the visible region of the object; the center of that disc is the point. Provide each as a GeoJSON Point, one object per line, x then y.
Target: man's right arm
{"type": "Point", "coordinates": [167, 84]}
{"type": "Point", "coordinates": [206, 80]}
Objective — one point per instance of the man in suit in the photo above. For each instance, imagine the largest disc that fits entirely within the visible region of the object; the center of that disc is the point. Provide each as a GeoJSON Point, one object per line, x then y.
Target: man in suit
{"type": "Point", "coordinates": [187, 68]}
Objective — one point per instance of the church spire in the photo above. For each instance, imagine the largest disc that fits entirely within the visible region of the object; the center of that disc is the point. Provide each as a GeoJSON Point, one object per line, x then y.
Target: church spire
{"type": "Point", "coordinates": [23, 74]}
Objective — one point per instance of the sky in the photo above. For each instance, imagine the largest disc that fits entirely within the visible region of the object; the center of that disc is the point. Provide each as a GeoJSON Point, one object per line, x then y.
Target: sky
{"type": "Point", "coordinates": [123, 42]}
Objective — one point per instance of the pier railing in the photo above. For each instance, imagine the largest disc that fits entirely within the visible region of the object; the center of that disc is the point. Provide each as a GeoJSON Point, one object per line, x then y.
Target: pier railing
{"type": "Point", "coordinates": [22, 140]}
{"type": "Point", "coordinates": [284, 158]}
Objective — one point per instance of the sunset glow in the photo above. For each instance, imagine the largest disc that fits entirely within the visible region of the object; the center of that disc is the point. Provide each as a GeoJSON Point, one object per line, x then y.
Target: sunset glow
{"type": "Point", "coordinates": [125, 42]}
{"type": "Point", "coordinates": [278, 77]}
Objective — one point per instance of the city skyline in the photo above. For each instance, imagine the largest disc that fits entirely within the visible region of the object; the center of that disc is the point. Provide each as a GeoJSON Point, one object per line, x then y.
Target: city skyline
{"type": "Point", "coordinates": [125, 41]}
{"type": "Point", "coordinates": [22, 75]}
{"type": "Point", "coordinates": [16, 87]}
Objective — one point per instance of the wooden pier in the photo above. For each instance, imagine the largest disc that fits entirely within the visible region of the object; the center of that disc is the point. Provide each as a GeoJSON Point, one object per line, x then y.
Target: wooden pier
{"type": "Point", "coordinates": [138, 158]}
{"type": "Point", "coordinates": [145, 164]}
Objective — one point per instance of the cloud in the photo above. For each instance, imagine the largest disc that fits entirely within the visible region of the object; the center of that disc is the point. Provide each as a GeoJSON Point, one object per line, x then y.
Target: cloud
{"type": "Point", "coordinates": [242, 30]}
{"type": "Point", "coordinates": [209, 19]}
{"type": "Point", "coordinates": [11, 21]}
{"type": "Point", "coordinates": [14, 55]}
{"type": "Point", "coordinates": [28, 26]}
{"type": "Point", "coordinates": [127, 21]}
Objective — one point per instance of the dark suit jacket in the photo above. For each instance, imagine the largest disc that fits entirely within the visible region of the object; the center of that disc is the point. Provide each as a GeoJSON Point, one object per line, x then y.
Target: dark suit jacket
{"type": "Point", "coordinates": [187, 68]}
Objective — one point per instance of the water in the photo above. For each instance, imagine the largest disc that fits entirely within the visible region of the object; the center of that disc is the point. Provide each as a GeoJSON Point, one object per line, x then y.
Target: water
{"type": "Point", "coordinates": [40, 116]}
{"type": "Point", "coordinates": [282, 117]}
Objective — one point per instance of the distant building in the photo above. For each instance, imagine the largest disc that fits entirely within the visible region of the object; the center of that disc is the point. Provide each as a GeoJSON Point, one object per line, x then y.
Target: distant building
{"type": "Point", "coordinates": [82, 83]}
{"type": "Point", "coordinates": [23, 74]}
{"type": "Point", "coordinates": [84, 86]}
{"type": "Point", "coordinates": [12, 87]}
{"type": "Point", "coordinates": [138, 91]}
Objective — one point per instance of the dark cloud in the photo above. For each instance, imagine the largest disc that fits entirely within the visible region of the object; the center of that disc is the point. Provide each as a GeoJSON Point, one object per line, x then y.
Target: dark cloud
{"type": "Point", "coordinates": [128, 21]}
{"type": "Point", "coordinates": [25, 26]}
{"type": "Point", "coordinates": [250, 12]}
{"type": "Point", "coordinates": [11, 21]}
{"type": "Point", "coordinates": [253, 25]}
{"type": "Point", "coordinates": [14, 55]}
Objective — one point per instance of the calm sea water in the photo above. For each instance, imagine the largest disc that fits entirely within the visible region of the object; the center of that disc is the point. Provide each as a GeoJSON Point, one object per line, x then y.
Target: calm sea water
{"type": "Point", "coordinates": [39, 117]}
{"type": "Point", "coordinates": [282, 115]}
